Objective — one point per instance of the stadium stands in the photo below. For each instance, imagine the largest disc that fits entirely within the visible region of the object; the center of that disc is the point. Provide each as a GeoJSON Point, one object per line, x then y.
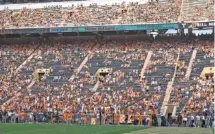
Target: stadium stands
{"type": "Point", "coordinates": [31, 1]}
{"type": "Point", "coordinates": [61, 75]}
{"type": "Point", "coordinates": [193, 8]}
{"type": "Point", "coordinates": [94, 14]}
{"type": "Point", "coordinates": [11, 57]}
{"type": "Point", "coordinates": [124, 13]}
{"type": "Point", "coordinates": [183, 87]}
{"type": "Point", "coordinates": [121, 88]}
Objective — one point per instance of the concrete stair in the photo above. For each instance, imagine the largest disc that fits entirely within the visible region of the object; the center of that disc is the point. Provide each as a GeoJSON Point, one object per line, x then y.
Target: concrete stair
{"type": "Point", "coordinates": [189, 69]}
{"type": "Point", "coordinates": [149, 55]}
{"type": "Point", "coordinates": [169, 89]}
{"type": "Point", "coordinates": [89, 56]}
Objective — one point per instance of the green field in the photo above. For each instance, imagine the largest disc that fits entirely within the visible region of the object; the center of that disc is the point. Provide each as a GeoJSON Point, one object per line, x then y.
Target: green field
{"type": "Point", "coordinates": [79, 129]}
{"type": "Point", "coordinates": [64, 129]}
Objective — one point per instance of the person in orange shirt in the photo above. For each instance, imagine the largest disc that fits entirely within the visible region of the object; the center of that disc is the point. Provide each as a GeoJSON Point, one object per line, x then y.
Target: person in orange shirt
{"type": "Point", "coordinates": [22, 116]}
{"type": "Point", "coordinates": [83, 116]}
{"type": "Point", "coordinates": [140, 120]}
{"type": "Point", "coordinates": [118, 119]}
{"type": "Point", "coordinates": [65, 117]}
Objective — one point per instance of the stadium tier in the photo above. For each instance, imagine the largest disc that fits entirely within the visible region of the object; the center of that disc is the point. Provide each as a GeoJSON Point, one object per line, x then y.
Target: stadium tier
{"type": "Point", "coordinates": [48, 15]}
{"type": "Point", "coordinates": [140, 63]}
{"type": "Point", "coordinates": [31, 1]}
{"type": "Point", "coordinates": [128, 74]}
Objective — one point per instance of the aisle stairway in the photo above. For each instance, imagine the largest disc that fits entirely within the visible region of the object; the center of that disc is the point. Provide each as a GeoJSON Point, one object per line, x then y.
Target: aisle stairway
{"type": "Point", "coordinates": [77, 71]}
{"type": "Point", "coordinates": [149, 55]}
{"type": "Point", "coordinates": [181, 82]}
{"type": "Point", "coordinates": [189, 69]}
{"type": "Point", "coordinates": [169, 89]}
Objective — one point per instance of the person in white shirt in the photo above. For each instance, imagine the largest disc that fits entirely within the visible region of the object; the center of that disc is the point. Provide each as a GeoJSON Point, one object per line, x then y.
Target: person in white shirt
{"type": "Point", "coordinates": [30, 117]}
{"type": "Point", "coordinates": [192, 121]}
{"type": "Point", "coordinates": [185, 121]}
{"type": "Point", "coordinates": [9, 116]}
{"type": "Point", "coordinates": [97, 118]}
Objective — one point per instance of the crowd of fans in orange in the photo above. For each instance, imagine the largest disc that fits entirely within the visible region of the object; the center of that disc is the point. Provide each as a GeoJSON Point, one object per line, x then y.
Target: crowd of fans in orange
{"type": "Point", "coordinates": [130, 13]}
{"type": "Point", "coordinates": [94, 14]}
{"type": "Point", "coordinates": [119, 97]}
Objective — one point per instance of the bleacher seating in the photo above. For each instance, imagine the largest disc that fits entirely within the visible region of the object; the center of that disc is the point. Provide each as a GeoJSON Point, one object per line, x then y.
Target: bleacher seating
{"type": "Point", "coordinates": [132, 13]}
{"type": "Point", "coordinates": [11, 57]}
{"type": "Point", "coordinates": [193, 8]}
{"type": "Point", "coordinates": [122, 88]}
{"type": "Point", "coordinates": [31, 1]}
{"type": "Point", "coordinates": [164, 69]}
{"type": "Point", "coordinates": [183, 88]}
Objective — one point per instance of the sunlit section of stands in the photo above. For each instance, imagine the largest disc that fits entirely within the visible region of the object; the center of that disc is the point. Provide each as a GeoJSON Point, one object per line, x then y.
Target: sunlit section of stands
{"type": "Point", "coordinates": [132, 13]}
{"type": "Point", "coordinates": [193, 8]}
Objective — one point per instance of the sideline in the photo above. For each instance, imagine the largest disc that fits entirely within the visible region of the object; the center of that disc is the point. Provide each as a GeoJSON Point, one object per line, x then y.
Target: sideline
{"type": "Point", "coordinates": [173, 130]}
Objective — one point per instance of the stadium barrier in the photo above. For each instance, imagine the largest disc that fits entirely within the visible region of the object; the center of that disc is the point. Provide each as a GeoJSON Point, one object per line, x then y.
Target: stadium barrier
{"type": "Point", "coordinates": [68, 29]}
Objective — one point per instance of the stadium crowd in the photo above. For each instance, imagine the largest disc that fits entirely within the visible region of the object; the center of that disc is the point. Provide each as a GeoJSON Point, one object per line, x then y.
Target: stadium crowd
{"type": "Point", "coordinates": [71, 90]}
{"type": "Point", "coordinates": [33, 1]}
{"type": "Point", "coordinates": [132, 13]}
{"type": "Point", "coordinates": [12, 56]}
{"type": "Point", "coordinates": [94, 14]}
{"type": "Point", "coordinates": [118, 13]}
{"type": "Point", "coordinates": [202, 8]}
{"type": "Point", "coordinates": [55, 97]}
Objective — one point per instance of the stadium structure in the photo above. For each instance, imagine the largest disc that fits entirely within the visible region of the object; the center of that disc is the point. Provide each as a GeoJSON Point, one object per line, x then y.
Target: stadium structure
{"type": "Point", "coordinates": [107, 67]}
